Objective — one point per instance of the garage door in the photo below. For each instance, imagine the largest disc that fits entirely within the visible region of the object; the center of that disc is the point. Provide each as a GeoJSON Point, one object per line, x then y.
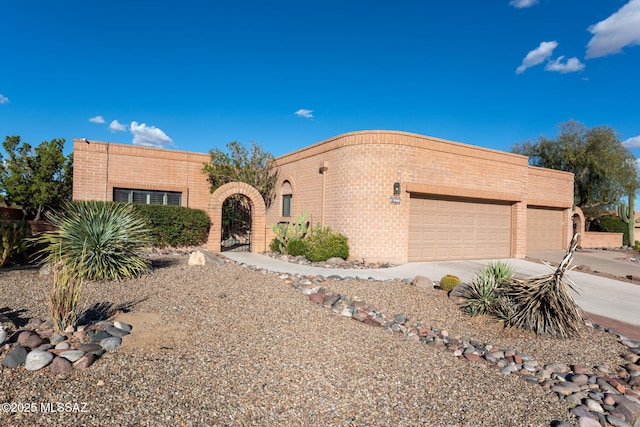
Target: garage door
{"type": "Point", "coordinates": [544, 229]}
{"type": "Point", "coordinates": [448, 229]}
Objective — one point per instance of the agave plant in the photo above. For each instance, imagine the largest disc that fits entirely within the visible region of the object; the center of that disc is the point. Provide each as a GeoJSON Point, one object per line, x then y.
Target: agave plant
{"type": "Point", "coordinates": [480, 295]}
{"type": "Point", "coordinates": [502, 271]}
{"type": "Point", "coordinates": [97, 240]}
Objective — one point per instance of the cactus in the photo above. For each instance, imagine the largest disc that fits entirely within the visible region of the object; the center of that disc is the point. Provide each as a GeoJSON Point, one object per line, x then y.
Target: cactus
{"type": "Point", "coordinates": [287, 231]}
{"type": "Point", "coordinates": [448, 282]}
{"type": "Point", "coordinates": [627, 214]}
{"type": "Point", "coordinates": [13, 239]}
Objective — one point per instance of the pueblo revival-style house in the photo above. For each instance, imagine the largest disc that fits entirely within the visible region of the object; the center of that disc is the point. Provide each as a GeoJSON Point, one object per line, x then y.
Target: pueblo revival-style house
{"type": "Point", "coordinates": [397, 196]}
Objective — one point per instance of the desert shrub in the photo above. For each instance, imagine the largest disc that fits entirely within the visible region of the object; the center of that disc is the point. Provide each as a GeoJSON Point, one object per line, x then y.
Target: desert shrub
{"type": "Point", "coordinates": [501, 271]}
{"type": "Point", "coordinates": [13, 239]}
{"type": "Point", "coordinates": [296, 247]}
{"type": "Point", "coordinates": [274, 246]}
{"type": "Point", "coordinates": [175, 225]}
{"type": "Point", "coordinates": [97, 240]}
{"type": "Point", "coordinates": [480, 295]}
{"type": "Point", "coordinates": [325, 244]}
{"type": "Point", "coordinates": [288, 231]}
{"type": "Point", "coordinates": [613, 224]}
{"type": "Point", "coordinates": [448, 282]}
{"type": "Point", "coordinates": [64, 297]}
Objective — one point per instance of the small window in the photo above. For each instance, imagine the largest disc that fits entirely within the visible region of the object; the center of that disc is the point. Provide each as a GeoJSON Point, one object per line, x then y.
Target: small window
{"type": "Point", "coordinates": [147, 197]}
{"type": "Point", "coordinates": [286, 205]}
{"type": "Point", "coordinates": [287, 195]}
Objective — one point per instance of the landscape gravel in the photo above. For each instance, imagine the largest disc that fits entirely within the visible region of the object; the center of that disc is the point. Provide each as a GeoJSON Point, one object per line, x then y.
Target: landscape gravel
{"type": "Point", "coordinates": [225, 345]}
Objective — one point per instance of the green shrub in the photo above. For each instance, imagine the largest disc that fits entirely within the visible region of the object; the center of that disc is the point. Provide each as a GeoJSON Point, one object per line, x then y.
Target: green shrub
{"type": "Point", "coordinates": [448, 282]}
{"type": "Point", "coordinates": [175, 225]}
{"type": "Point", "coordinates": [613, 224]}
{"type": "Point", "coordinates": [274, 246]}
{"type": "Point", "coordinates": [480, 295]}
{"type": "Point", "coordinates": [287, 231]}
{"type": "Point", "coordinates": [325, 244]}
{"type": "Point", "coordinates": [97, 240]}
{"type": "Point", "coordinates": [296, 247]}
{"type": "Point", "coordinates": [501, 271]}
{"type": "Point", "coordinates": [13, 239]}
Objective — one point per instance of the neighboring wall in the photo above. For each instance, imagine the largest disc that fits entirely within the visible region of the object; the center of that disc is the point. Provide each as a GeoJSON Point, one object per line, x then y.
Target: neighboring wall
{"type": "Point", "coordinates": [354, 194]}
{"type": "Point", "coordinates": [99, 167]}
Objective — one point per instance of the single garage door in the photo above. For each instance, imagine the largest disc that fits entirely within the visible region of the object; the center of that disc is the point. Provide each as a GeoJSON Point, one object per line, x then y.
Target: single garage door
{"type": "Point", "coordinates": [449, 228]}
{"type": "Point", "coordinates": [544, 229]}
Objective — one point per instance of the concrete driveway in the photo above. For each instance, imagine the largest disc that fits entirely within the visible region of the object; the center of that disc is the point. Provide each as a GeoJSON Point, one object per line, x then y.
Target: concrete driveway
{"type": "Point", "coordinates": [601, 296]}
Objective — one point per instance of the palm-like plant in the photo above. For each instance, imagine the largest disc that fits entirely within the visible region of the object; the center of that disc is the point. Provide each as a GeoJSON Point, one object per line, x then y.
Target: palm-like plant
{"type": "Point", "coordinates": [97, 240]}
{"type": "Point", "coordinates": [544, 304]}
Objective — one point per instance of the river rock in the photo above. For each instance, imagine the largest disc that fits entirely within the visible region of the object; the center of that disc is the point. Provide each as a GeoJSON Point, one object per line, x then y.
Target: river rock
{"type": "Point", "coordinates": [422, 282]}
{"type": "Point", "coordinates": [89, 347]}
{"type": "Point", "coordinates": [60, 365]}
{"type": "Point", "coordinates": [111, 343]}
{"type": "Point", "coordinates": [116, 332]}
{"type": "Point", "coordinates": [124, 326]}
{"type": "Point", "coordinates": [15, 357]}
{"type": "Point", "coordinates": [85, 361]}
{"type": "Point", "coordinates": [72, 355]}
{"type": "Point", "coordinates": [37, 359]}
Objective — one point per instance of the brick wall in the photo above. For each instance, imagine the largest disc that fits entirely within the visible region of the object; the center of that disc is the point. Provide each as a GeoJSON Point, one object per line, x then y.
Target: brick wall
{"type": "Point", "coordinates": [345, 182]}
{"type": "Point", "coordinates": [363, 166]}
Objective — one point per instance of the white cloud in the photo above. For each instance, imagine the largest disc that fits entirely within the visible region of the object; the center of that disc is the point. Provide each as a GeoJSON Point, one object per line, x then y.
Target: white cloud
{"type": "Point", "coordinates": [571, 65]}
{"type": "Point", "coordinates": [537, 55]}
{"type": "Point", "coordinates": [3, 99]}
{"type": "Point", "coordinates": [617, 31]}
{"type": "Point", "coordinates": [149, 136]}
{"type": "Point", "coordinates": [97, 119]}
{"type": "Point", "coordinates": [632, 142]}
{"type": "Point", "coordinates": [307, 114]}
{"type": "Point", "coordinates": [116, 126]}
{"type": "Point", "coordinates": [520, 4]}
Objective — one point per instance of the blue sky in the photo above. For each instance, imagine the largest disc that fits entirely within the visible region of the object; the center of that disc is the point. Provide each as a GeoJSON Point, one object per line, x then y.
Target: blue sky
{"type": "Point", "coordinates": [193, 75]}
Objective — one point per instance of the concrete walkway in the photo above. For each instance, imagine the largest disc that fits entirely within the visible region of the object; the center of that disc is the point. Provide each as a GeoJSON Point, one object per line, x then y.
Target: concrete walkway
{"type": "Point", "coordinates": [598, 295]}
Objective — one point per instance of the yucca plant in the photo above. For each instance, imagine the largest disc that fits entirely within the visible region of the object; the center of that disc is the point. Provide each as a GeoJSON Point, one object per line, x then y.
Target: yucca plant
{"type": "Point", "coordinates": [544, 304]}
{"type": "Point", "coordinates": [480, 295]}
{"type": "Point", "coordinates": [502, 271]}
{"type": "Point", "coordinates": [97, 240]}
{"type": "Point", "coordinates": [64, 297]}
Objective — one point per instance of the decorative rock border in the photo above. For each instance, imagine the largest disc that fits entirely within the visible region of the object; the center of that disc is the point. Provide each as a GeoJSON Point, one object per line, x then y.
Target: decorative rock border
{"type": "Point", "coordinates": [600, 396]}
{"type": "Point", "coordinates": [38, 346]}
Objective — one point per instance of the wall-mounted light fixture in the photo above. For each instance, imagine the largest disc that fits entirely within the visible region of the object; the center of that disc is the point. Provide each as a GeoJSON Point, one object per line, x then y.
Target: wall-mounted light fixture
{"type": "Point", "coordinates": [396, 188]}
{"type": "Point", "coordinates": [324, 166]}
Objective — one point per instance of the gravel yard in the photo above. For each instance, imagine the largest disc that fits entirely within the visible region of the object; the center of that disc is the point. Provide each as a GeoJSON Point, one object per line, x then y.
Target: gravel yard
{"type": "Point", "coordinates": [222, 345]}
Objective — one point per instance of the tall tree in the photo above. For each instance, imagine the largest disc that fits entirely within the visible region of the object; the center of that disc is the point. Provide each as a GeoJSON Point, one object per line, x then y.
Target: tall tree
{"type": "Point", "coordinates": [255, 167]}
{"type": "Point", "coordinates": [604, 169]}
{"type": "Point", "coordinates": [35, 179]}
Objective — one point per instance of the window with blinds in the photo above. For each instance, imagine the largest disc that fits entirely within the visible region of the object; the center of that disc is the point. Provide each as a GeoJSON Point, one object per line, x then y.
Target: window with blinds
{"type": "Point", "coordinates": [147, 197]}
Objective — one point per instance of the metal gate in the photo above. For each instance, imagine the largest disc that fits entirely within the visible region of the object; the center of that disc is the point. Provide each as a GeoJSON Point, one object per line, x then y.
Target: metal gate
{"type": "Point", "coordinates": [236, 224]}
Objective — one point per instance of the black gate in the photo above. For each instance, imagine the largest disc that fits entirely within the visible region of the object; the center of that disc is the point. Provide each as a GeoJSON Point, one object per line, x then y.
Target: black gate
{"type": "Point", "coordinates": [236, 224]}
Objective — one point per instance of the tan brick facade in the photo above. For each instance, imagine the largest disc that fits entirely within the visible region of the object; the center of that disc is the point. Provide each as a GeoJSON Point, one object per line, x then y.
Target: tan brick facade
{"type": "Point", "coordinates": [346, 182]}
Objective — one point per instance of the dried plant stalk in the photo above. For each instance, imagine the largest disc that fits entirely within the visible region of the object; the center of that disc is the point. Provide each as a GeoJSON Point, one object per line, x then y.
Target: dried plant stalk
{"type": "Point", "coordinates": [64, 297]}
{"type": "Point", "coordinates": [544, 304]}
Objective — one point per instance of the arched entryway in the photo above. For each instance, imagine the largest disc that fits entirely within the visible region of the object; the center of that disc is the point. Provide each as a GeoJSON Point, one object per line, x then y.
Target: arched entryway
{"type": "Point", "coordinates": [239, 192]}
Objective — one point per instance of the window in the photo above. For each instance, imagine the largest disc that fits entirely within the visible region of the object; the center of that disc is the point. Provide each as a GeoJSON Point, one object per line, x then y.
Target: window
{"type": "Point", "coordinates": [286, 205]}
{"type": "Point", "coordinates": [286, 198]}
{"type": "Point", "coordinates": [147, 197]}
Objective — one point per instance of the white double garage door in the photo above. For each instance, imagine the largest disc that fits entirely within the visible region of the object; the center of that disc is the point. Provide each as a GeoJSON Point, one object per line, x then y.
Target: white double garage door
{"type": "Point", "coordinates": [443, 228]}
